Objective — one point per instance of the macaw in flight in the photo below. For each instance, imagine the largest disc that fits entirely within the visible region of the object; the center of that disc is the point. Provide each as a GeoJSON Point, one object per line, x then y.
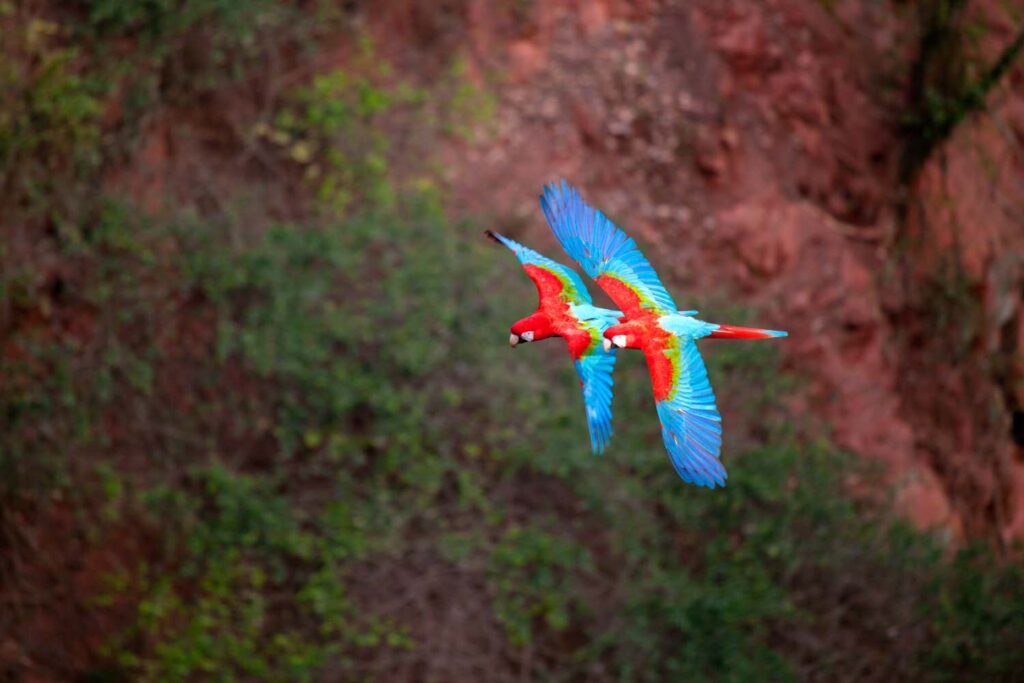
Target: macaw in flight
{"type": "Point", "coordinates": [566, 310]}
{"type": "Point", "coordinates": [691, 426]}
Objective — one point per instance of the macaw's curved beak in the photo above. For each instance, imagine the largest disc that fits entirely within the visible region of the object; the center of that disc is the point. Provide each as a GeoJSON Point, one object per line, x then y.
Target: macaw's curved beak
{"type": "Point", "coordinates": [513, 339]}
{"type": "Point", "coordinates": [618, 341]}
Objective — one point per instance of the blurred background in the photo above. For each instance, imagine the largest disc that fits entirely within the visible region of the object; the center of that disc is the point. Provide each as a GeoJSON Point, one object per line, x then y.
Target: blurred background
{"type": "Point", "coordinates": [258, 415]}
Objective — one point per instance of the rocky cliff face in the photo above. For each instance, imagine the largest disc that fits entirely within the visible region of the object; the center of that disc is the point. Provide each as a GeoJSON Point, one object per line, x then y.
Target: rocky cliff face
{"type": "Point", "coordinates": [754, 145]}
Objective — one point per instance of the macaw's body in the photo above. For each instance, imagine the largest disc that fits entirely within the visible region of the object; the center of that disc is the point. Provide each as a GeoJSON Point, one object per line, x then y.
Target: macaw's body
{"type": "Point", "coordinates": [566, 310]}
{"type": "Point", "coordinates": [690, 422]}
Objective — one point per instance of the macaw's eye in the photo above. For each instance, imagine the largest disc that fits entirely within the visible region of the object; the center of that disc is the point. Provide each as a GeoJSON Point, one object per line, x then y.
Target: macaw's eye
{"type": "Point", "coordinates": [527, 336]}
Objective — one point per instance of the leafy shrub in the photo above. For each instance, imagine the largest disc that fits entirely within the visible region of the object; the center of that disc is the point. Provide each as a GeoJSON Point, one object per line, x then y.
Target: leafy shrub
{"type": "Point", "coordinates": [182, 47]}
{"type": "Point", "coordinates": [381, 407]}
{"type": "Point", "coordinates": [527, 569]}
{"type": "Point", "coordinates": [49, 116]}
{"type": "Point", "coordinates": [975, 610]}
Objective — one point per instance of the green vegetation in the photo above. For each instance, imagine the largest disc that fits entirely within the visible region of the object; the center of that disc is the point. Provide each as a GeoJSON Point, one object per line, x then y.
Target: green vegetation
{"type": "Point", "coordinates": [332, 130]}
{"type": "Point", "coordinates": [531, 573]}
{"type": "Point", "coordinates": [285, 432]}
{"type": "Point", "coordinates": [351, 380]}
{"type": "Point", "coordinates": [949, 80]}
{"type": "Point", "coordinates": [49, 117]}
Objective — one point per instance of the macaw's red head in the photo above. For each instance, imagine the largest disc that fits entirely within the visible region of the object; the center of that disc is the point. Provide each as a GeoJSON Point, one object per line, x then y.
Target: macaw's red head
{"type": "Point", "coordinates": [623, 336]}
{"type": "Point", "coordinates": [532, 328]}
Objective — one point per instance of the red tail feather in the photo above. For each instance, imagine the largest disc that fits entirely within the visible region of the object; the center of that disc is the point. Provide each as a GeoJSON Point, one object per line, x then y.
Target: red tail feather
{"type": "Point", "coordinates": [735, 332]}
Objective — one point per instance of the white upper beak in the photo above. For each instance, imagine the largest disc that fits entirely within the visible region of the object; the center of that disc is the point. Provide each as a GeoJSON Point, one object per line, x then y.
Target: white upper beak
{"type": "Point", "coordinates": [607, 344]}
{"type": "Point", "coordinates": [513, 339]}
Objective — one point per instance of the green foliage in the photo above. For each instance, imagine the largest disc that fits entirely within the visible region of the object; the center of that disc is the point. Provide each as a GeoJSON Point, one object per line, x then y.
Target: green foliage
{"type": "Point", "coordinates": [160, 22]}
{"type": "Point", "coordinates": [976, 614]}
{"type": "Point", "coordinates": [529, 572]}
{"type": "Point", "coordinates": [332, 129]}
{"type": "Point", "coordinates": [287, 310]}
{"type": "Point", "coordinates": [44, 415]}
{"type": "Point", "coordinates": [467, 107]}
{"type": "Point", "coordinates": [75, 93]}
{"type": "Point", "coordinates": [703, 608]}
{"type": "Point", "coordinates": [948, 78]}
{"type": "Point", "coordinates": [255, 592]}
{"type": "Point", "coordinates": [179, 47]}
{"type": "Point", "coordinates": [49, 114]}
{"type": "Point", "coordinates": [368, 343]}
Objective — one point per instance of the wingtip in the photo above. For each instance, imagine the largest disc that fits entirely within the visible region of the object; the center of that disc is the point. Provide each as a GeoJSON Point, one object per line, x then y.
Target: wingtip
{"type": "Point", "coordinates": [550, 195]}
{"type": "Point", "coordinates": [557, 187]}
{"type": "Point", "coordinates": [712, 480]}
{"type": "Point", "coordinates": [493, 236]}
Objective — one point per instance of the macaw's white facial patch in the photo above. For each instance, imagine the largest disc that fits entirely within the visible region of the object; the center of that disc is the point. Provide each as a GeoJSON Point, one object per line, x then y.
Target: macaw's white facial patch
{"type": "Point", "coordinates": [528, 336]}
{"type": "Point", "coordinates": [619, 340]}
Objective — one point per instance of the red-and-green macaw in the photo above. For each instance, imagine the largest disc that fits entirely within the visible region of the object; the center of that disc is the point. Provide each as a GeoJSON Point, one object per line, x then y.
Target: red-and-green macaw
{"type": "Point", "coordinates": [566, 310]}
{"type": "Point", "coordinates": [691, 426]}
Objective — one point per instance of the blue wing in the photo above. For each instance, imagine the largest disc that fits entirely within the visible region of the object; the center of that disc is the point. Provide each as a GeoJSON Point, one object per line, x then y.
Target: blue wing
{"type": "Point", "coordinates": [594, 367]}
{"type": "Point", "coordinates": [595, 371]}
{"type": "Point", "coordinates": [573, 285]}
{"type": "Point", "coordinates": [690, 423]}
{"type": "Point", "coordinates": [602, 249]}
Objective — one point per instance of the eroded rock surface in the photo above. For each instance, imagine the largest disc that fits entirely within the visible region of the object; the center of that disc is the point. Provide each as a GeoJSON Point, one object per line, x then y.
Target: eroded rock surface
{"type": "Point", "coordinates": [753, 145]}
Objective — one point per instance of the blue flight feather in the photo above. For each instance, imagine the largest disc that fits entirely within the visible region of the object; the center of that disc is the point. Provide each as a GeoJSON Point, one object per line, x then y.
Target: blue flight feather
{"type": "Point", "coordinates": [691, 426]}
{"type": "Point", "coordinates": [600, 247]}
{"type": "Point", "coordinates": [595, 367]}
{"type": "Point", "coordinates": [528, 256]}
{"type": "Point", "coordinates": [595, 372]}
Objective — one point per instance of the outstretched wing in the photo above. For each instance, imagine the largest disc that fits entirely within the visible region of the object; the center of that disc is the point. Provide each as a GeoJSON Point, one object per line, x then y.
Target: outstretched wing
{"type": "Point", "coordinates": [541, 270]}
{"type": "Point", "coordinates": [593, 365]}
{"type": "Point", "coordinates": [595, 369]}
{"type": "Point", "coordinates": [605, 252]}
{"type": "Point", "coordinates": [690, 423]}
